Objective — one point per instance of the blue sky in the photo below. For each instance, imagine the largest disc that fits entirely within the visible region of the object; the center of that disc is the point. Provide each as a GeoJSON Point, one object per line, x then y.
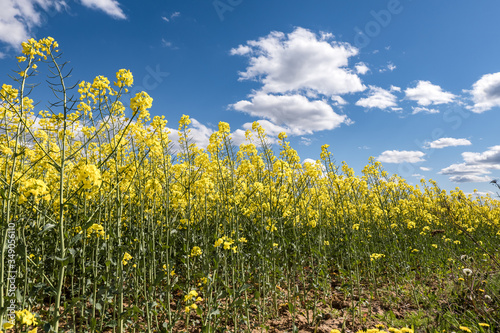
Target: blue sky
{"type": "Point", "coordinates": [416, 84]}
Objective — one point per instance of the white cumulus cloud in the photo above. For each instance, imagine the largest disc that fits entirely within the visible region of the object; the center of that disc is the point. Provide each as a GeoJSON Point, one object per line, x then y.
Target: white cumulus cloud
{"type": "Point", "coordinates": [486, 93]}
{"type": "Point", "coordinates": [309, 160]}
{"type": "Point", "coordinates": [110, 7]}
{"type": "Point", "coordinates": [426, 93]}
{"type": "Point", "coordinates": [470, 179]}
{"type": "Point", "coordinates": [491, 156]}
{"type": "Point", "coordinates": [361, 68]}
{"type": "Point", "coordinates": [447, 142]}
{"type": "Point", "coordinates": [378, 98]}
{"type": "Point", "coordinates": [18, 18]}
{"type": "Point", "coordinates": [297, 112]}
{"type": "Point", "coordinates": [465, 169]}
{"type": "Point", "coordinates": [401, 156]}
{"type": "Point", "coordinates": [300, 61]}
{"type": "Point", "coordinates": [476, 166]}
{"type": "Point", "coordinates": [419, 109]}
{"type": "Point", "coordinates": [270, 128]}
{"type": "Point", "coordinates": [199, 135]}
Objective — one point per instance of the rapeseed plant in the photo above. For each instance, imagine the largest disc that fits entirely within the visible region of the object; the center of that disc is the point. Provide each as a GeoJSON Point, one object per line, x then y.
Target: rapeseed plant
{"type": "Point", "coordinates": [96, 186]}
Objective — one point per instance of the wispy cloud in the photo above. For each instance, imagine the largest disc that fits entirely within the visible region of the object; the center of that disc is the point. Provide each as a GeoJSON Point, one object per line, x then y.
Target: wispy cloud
{"type": "Point", "coordinates": [169, 44]}
{"type": "Point", "coordinates": [110, 7]}
{"type": "Point", "coordinates": [420, 109]}
{"type": "Point", "coordinates": [447, 142]}
{"type": "Point", "coordinates": [401, 156]}
{"type": "Point", "coordinates": [390, 66]}
{"type": "Point", "coordinates": [168, 18]}
{"type": "Point", "coordinates": [306, 141]}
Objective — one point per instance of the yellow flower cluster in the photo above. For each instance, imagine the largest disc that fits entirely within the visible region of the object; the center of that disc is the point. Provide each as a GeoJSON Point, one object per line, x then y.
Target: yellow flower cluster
{"type": "Point", "coordinates": [96, 229]}
{"type": "Point", "coordinates": [141, 103]}
{"type": "Point", "coordinates": [375, 256]}
{"type": "Point", "coordinates": [88, 175]}
{"type": "Point", "coordinates": [126, 258]}
{"type": "Point", "coordinates": [26, 318]}
{"type": "Point", "coordinates": [42, 48]}
{"type": "Point", "coordinates": [7, 93]}
{"type": "Point", "coordinates": [23, 317]}
{"type": "Point", "coordinates": [227, 243]}
{"type": "Point", "coordinates": [390, 329]}
{"type": "Point", "coordinates": [193, 297]}
{"type": "Point", "coordinates": [35, 188]}
{"type": "Point", "coordinates": [124, 78]}
{"type": "Point", "coordinates": [196, 251]}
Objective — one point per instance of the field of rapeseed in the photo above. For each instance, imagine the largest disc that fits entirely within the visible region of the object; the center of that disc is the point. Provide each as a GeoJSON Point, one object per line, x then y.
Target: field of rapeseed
{"type": "Point", "coordinates": [105, 228]}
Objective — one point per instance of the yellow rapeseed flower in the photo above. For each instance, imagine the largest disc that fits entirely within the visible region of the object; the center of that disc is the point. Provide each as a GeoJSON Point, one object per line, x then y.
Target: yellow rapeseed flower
{"type": "Point", "coordinates": [26, 318]}
{"type": "Point", "coordinates": [376, 256]}
{"type": "Point", "coordinates": [124, 78]}
{"type": "Point", "coordinates": [196, 251]}
{"type": "Point", "coordinates": [7, 326]}
{"type": "Point", "coordinates": [126, 258]}
{"type": "Point", "coordinates": [96, 229]}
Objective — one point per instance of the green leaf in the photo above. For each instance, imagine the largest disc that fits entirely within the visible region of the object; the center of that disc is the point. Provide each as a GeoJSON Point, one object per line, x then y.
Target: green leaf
{"type": "Point", "coordinates": [46, 228]}
{"type": "Point", "coordinates": [238, 302]}
{"type": "Point", "coordinates": [245, 287]}
{"type": "Point", "coordinates": [75, 239]}
{"type": "Point", "coordinates": [214, 313]}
